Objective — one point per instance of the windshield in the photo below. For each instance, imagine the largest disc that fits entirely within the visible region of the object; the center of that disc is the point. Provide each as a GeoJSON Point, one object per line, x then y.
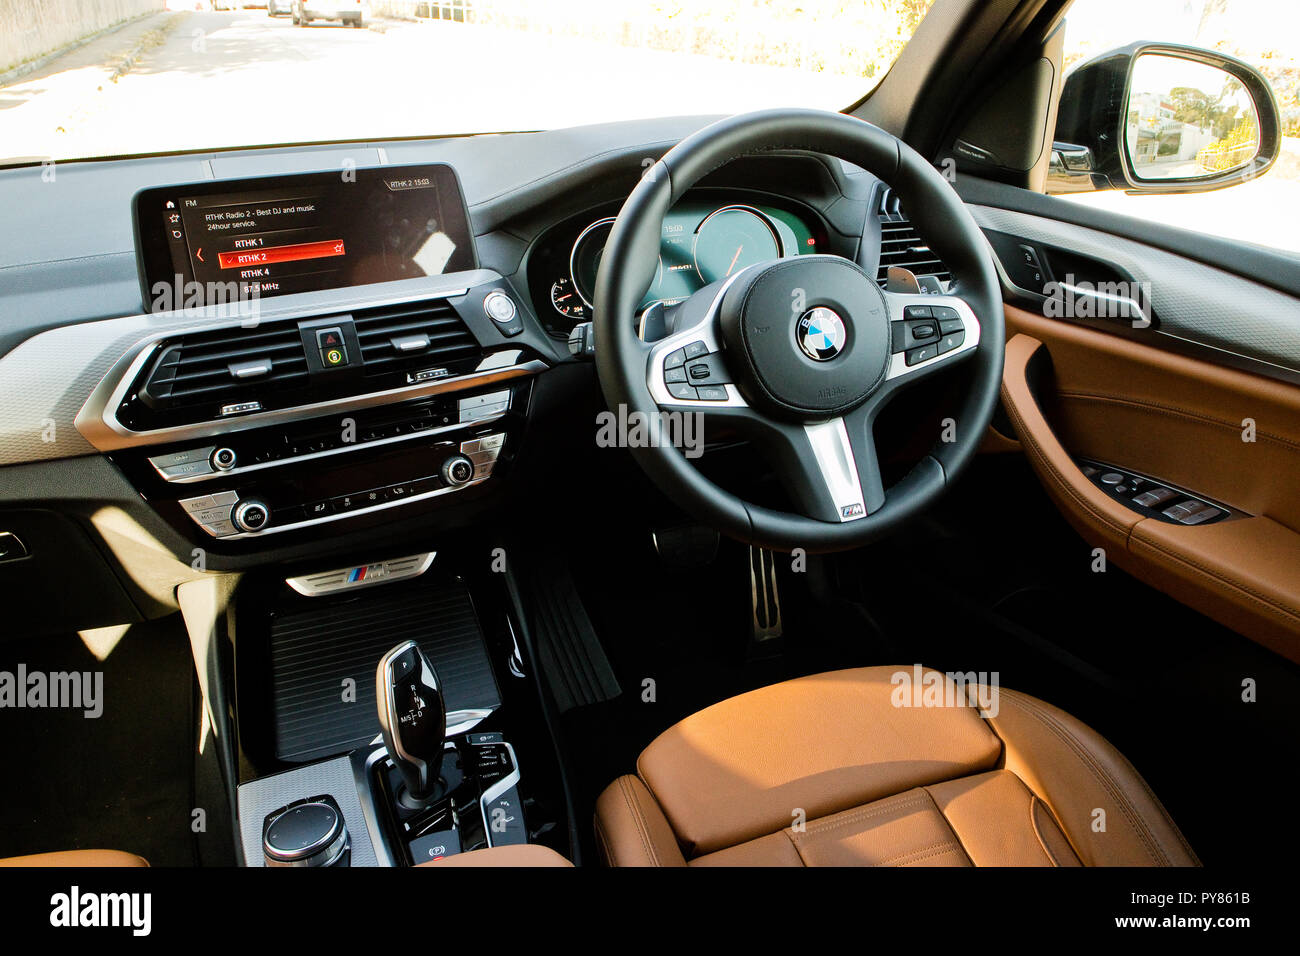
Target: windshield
{"type": "Point", "coordinates": [122, 77]}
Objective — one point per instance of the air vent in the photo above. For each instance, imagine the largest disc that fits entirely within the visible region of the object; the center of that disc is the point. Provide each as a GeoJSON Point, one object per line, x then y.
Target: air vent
{"type": "Point", "coordinates": [226, 366]}
{"type": "Point", "coordinates": [413, 335]}
{"type": "Point", "coordinates": [901, 245]}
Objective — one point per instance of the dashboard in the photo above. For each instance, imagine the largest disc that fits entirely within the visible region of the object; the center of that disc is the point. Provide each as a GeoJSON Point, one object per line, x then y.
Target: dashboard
{"type": "Point", "coordinates": [707, 236]}
{"type": "Point", "coordinates": [231, 430]}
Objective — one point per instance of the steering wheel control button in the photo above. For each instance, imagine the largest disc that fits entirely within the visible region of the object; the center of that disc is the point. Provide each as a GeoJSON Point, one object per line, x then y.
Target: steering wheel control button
{"type": "Point", "coordinates": [675, 374]}
{"type": "Point", "coordinates": [919, 312]}
{"type": "Point", "coordinates": [695, 350]}
{"type": "Point", "coordinates": [712, 393]}
{"type": "Point", "coordinates": [679, 390]}
{"type": "Point", "coordinates": [251, 515]}
{"type": "Point", "coordinates": [922, 354]}
{"type": "Point", "coordinates": [675, 359]}
{"type": "Point", "coordinates": [951, 341]}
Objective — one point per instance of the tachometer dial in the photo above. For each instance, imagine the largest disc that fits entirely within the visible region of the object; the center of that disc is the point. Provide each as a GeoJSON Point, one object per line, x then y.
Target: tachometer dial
{"type": "Point", "coordinates": [584, 262]}
{"type": "Point", "coordinates": [567, 301]}
{"type": "Point", "coordinates": [732, 238]}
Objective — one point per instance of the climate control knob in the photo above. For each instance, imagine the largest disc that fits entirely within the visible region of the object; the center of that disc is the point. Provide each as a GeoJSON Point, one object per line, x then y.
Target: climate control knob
{"type": "Point", "coordinates": [457, 470]}
{"type": "Point", "coordinates": [251, 515]}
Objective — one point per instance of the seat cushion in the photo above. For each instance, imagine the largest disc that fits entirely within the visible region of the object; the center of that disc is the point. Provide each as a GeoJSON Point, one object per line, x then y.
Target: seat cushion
{"type": "Point", "coordinates": [988, 819]}
{"type": "Point", "coordinates": [834, 770]}
{"type": "Point", "coordinates": [96, 858]}
{"type": "Point", "coordinates": [808, 747]}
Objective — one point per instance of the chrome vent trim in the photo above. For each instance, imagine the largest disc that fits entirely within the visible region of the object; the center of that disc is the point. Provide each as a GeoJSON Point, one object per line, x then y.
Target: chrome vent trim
{"type": "Point", "coordinates": [901, 245]}
{"type": "Point", "coordinates": [413, 334]}
{"type": "Point", "coordinates": [223, 366]}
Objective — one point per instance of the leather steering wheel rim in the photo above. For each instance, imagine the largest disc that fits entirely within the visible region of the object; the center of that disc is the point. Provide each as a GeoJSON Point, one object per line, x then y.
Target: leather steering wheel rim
{"type": "Point", "coordinates": [627, 270]}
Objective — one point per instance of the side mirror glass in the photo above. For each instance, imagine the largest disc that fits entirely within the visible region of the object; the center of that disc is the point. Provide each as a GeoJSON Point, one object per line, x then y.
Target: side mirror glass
{"type": "Point", "coordinates": [1163, 118]}
{"type": "Point", "coordinates": [1187, 120]}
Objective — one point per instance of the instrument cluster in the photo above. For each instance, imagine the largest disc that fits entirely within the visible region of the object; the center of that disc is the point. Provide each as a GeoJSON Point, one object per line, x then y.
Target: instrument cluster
{"type": "Point", "coordinates": [703, 241]}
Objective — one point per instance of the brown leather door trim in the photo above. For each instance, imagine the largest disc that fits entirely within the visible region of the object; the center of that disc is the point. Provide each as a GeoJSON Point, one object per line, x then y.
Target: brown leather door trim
{"type": "Point", "coordinates": [1244, 573]}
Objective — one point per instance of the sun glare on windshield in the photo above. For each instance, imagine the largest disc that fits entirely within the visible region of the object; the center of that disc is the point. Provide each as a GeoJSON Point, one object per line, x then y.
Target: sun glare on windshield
{"type": "Point", "coordinates": [123, 77]}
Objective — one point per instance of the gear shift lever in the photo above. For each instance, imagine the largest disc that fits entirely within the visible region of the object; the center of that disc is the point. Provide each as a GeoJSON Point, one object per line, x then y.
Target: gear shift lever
{"type": "Point", "coordinates": [412, 716]}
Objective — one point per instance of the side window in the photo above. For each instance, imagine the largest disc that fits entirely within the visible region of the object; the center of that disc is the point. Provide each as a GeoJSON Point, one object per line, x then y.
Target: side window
{"type": "Point", "coordinates": [1190, 139]}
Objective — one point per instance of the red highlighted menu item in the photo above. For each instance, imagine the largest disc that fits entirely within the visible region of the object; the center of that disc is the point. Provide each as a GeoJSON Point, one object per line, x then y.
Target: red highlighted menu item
{"type": "Point", "coordinates": [296, 252]}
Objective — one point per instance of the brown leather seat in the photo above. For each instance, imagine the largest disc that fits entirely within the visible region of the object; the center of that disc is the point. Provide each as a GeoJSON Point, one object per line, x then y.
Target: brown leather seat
{"type": "Point", "coordinates": [93, 858]}
{"type": "Point", "coordinates": [833, 770]}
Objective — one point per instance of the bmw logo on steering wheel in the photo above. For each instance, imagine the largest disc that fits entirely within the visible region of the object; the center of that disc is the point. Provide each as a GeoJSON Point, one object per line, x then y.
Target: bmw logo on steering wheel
{"type": "Point", "coordinates": [820, 334]}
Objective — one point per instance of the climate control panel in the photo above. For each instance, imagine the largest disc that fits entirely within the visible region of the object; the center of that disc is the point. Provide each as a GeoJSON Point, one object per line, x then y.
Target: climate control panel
{"type": "Point", "coordinates": [237, 513]}
{"type": "Point", "coordinates": [265, 482]}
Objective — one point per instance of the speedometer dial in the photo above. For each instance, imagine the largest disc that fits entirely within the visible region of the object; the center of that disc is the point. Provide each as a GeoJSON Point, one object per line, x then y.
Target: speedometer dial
{"type": "Point", "coordinates": [566, 300]}
{"type": "Point", "coordinates": [732, 238]}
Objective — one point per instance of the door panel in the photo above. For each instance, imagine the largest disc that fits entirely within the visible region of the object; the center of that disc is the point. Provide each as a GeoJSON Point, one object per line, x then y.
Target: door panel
{"type": "Point", "coordinates": [1201, 310]}
{"type": "Point", "coordinates": [1073, 392]}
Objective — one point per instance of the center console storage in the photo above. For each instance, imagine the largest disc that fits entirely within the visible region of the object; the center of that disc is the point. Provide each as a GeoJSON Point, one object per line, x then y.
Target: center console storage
{"type": "Point", "coordinates": [383, 722]}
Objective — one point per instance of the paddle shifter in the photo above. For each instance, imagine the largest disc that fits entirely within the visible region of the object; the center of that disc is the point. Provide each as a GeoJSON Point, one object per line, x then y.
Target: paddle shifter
{"type": "Point", "coordinates": [413, 717]}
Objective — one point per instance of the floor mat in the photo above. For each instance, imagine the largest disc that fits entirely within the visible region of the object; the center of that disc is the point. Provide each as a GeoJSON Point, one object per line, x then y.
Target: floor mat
{"type": "Point", "coordinates": [570, 655]}
{"type": "Point", "coordinates": [121, 780]}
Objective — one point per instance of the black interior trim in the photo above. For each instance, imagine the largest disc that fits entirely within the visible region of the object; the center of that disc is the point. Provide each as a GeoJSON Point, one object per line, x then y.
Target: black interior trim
{"type": "Point", "coordinates": [1269, 267]}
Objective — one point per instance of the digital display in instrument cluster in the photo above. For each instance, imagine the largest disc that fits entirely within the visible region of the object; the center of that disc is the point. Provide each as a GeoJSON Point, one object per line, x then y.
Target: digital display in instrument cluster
{"type": "Point", "coordinates": [209, 242]}
{"type": "Point", "coordinates": [700, 244]}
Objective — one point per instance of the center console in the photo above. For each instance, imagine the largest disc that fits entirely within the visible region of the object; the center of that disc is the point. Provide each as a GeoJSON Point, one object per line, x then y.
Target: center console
{"type": "Point", "coordinates": [423, 755]}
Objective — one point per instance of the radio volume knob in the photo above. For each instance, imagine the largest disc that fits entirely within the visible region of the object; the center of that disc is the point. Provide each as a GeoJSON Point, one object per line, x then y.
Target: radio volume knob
{"type": "Point", "coordinates": [223, 459]}
{"type": "Point", "coordinates": [457, 470]}
{"type": "Point", "coordinates": [251, 515]}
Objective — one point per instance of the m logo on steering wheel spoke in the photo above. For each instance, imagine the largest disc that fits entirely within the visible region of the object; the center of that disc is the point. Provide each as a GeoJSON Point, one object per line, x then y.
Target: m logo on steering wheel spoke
{"type": "Point", "coordinates": [820, 334]}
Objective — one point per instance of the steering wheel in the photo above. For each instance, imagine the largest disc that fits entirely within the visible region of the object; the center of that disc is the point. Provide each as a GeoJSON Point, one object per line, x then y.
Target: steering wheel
{"type": "Point", "coordinates": [799, 354]}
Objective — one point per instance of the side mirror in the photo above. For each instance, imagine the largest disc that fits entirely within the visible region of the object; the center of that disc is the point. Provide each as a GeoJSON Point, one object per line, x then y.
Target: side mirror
{"type": "Point", "coordinates": [1163, 118]}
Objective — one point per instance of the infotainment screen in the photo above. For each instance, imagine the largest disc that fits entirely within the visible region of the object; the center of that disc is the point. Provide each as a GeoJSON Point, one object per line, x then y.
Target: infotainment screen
{"type": "Point", "coordinates": [215, 242]}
